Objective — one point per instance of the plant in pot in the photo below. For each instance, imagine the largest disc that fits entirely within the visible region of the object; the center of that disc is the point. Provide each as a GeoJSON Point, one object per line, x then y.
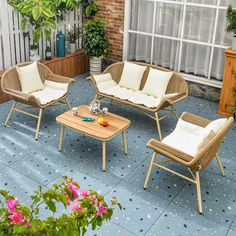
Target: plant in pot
{"type": "Point", "coordinates": [95, 43]}
{"type": "Point", "coordinates": [231, 24]}
{"type": "Point", "coordinates": [72, 36]}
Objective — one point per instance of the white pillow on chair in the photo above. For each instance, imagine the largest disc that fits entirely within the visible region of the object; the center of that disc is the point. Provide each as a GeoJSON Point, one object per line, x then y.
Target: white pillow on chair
{"type": "Point", "coordinates": [132, 76]}
{"type": "Point", "coordinates": [29, 78]}
{"type": "Point", "coordinates": [157, 82]}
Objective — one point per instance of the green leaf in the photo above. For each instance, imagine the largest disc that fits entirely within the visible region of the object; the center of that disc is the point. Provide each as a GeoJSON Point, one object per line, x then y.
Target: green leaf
{"type": "Point", "coordinates": [51, 205]}
{"type": "Point", "coordinates": [47, 12]}
{"type": "Point", "coordinates": [24, 23]}
{"type": "Point", "coordinates": [36, 13]}
{"type": "Point", "coordinates": [4, 193]}
{"type": "Point", "coordinates": [88, 10]}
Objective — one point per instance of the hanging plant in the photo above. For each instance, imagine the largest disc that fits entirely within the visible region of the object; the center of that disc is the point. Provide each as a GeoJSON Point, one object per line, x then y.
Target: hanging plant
{"type": "Point", "coordinates": [42, 15]}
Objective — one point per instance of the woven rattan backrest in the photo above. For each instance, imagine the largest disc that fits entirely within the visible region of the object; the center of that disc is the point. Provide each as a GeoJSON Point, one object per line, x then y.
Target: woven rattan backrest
{"type": "Point", "coordinates": [176, 85]}
{"type": "Point", "coordinates": [10, 79]}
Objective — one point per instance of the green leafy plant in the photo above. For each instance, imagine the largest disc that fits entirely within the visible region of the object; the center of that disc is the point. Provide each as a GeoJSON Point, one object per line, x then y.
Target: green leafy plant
{"type": "Point", "coordinates": [88, 208]}
{"type": "Point", "coordinates": [90, 7]}
{"type": "Point", "coordinates": [95, 40]}
{"type": "Point", "coordinates": [231, 20]}
{"type": "Point", "coordinates": [42, 15]}
{"type": "Point", "coordinates": [72, 35]}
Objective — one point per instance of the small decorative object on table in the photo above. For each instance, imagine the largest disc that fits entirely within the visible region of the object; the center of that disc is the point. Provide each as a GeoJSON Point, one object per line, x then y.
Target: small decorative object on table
{"type": "Point", "coordinates": [74, 111]}
{"type": "Point", "coordinates": [103, 122]}
{"type": "Point", "coordinates": [104, 111]}
{"type": "Point", "coordinates": [95, 107]}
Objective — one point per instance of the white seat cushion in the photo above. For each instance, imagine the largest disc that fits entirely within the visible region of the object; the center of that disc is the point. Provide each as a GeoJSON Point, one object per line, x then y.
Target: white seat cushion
{"type": "Point", "coordinates": [157, 82]}
{"type": "Point", "coordinates": [189, 138]}
{"type": "Point", "coordinates": [132, 76]}
{"type": "Point", "coordinates": [52, 91]}
{"type": "Point", "coordinates": [29, 78]}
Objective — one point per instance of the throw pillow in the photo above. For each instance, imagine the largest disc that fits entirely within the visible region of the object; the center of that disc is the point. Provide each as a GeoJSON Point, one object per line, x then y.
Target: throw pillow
{"type": "Point", "coordinates": [29, 78]}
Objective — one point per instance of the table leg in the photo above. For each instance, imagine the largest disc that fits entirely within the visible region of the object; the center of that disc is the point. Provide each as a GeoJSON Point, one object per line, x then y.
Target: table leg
{"type": "Point", "coordinates": [125, 142]}
{"type": "Point", "coordinates": [61, 137]}
{"type": "Point", "coordinates": [104, 156]}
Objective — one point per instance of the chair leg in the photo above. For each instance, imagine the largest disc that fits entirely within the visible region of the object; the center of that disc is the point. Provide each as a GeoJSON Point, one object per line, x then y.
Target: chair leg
{"type": "Point", "coordinates": [39, 123]}
{"type": "Point", "coordinates": [68, 104]}
{"type": "Point", "coordinates": [96, 97]}
{"type": "Point", "coordinates": [220, 164]}
{"type": "Point", "coordinates": [199, 195]}
{"type": "Point", "coordinates": [158, 125]}
{"type": "Point", "coordinates": [149, 170]}
{"type": "Point", "coordinates": [10, 113]}
{"type": "Point", "coordinates": [174, 112]}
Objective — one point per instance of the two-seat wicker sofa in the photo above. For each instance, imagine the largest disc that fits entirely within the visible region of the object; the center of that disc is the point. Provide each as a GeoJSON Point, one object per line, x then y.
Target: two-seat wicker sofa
{"type": "Point", "coordinates": [177, 90]}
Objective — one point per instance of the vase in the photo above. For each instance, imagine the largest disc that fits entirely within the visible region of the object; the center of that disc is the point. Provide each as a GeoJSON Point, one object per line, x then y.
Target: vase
{"type": "Point", "coordinates": [72, 48]}
{"type": "Point", "coordinates": [234, 42]}
{"type": "Point", "coordinates": [95, 65]}
{"type": "Point", "coordinates": [34, 55]}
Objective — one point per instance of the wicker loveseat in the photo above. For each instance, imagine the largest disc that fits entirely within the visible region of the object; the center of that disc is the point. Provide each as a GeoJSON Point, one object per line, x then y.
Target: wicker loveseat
{"type": "Point", "coordinates": [177, 87]}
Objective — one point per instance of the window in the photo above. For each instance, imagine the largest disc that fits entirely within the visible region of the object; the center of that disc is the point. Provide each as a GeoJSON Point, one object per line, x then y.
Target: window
{"type": "Point", "coordinates": [187, 36]}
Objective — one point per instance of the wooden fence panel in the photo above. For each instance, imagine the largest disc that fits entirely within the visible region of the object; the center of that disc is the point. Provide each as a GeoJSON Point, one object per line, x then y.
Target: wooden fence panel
{"type": "Point", "coordinates": [15, 43]}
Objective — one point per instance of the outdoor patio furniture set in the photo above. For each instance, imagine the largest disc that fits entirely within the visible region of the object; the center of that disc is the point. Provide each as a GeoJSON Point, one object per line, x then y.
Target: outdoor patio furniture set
{"type": "Point", "coordinates": [133, 84]}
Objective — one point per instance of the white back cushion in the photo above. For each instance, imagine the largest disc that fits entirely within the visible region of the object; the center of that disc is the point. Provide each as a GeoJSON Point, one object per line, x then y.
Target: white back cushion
{"type": "Point", "coordinates": [132, 76]}
{"type": "Point", "coordinates": [216, 125]}
{"type": "Point", "coordinates": [157, 82]}
{"type": "Point", "coordinates": [29, 78]}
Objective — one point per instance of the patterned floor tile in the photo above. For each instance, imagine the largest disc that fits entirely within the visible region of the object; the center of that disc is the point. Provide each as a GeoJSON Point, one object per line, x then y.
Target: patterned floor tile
{"type": "Point", "coordinates": [176, 220]}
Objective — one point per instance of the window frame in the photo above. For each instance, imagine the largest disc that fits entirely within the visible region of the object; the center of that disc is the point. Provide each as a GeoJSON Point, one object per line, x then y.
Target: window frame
{"type": "Point", "coordinates": [181, 39]}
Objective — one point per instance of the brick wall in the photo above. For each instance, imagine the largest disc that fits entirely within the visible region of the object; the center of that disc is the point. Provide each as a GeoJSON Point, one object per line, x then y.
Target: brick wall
{"type": "Point", "coordinates": [112, 11]}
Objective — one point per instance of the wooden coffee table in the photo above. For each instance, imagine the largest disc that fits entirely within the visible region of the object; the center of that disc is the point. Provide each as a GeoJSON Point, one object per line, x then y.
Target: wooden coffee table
{"type": "Point", "coordinates": [117, 125]}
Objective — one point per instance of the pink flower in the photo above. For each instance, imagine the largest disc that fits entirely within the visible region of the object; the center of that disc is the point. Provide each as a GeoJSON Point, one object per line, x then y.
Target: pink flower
{"type": "Point", "coordinates": [77, 206]}
{"type": "Point", "coordinates": [68, 201]}
{"type": "Point", "coordinates": [94, 201]}
{"type": "Point", "coordinates": [84, 193]}
{"type": "Point", "coordinates": [73, 189]}
{"type": "Point", "coordinates": [11, 204]}
{"type": "Point", "coordinates": [27, 225]}
{"type": "Point", "coordinates": [101, 210]}
{"type": "Point", "coordinates": [16, 217]}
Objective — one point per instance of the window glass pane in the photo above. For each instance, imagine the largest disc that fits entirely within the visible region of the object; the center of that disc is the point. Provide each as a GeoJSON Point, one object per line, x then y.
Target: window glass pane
{"type": "Point", "coordinates": [199, 24]}
{"type": "Point", "coordinates": [217, 71]}
{"type": "Point", "coordinates": [222, 37]}
{"type": "Point", "coordinates": [166, 53]}
{"type": "Point", "coordinates": [142, 15]}
{"type": "Point", "coordinates": [139, 47]}
{"type": "Point", "coordinates": [195, 59]}
{"type": "Point", "coordinates": [227, 3]}
{"type": "Point", "coordinates": [206, 2]}
{"type": "Point", "coordinates": [168, 19]}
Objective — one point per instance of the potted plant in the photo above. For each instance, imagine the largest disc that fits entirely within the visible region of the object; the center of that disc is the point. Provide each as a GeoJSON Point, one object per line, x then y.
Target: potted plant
{"type": "Point", "coordinates": [72, 36]}
{"type": "Point", "coordinates": [231, 24]}
{"type": "Point", "coordinates": [34, 53]}
{"type": "Point", "coordinates": [86, 208]}
{"type": "Point", "coordinates": [42, 16]}
{"type": "Point", "coordinates": [95, 43]}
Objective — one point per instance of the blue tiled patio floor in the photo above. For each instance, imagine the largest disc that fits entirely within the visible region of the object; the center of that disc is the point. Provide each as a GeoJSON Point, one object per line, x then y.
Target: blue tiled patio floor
{"type": "Point", "coordinates": [169, 205]}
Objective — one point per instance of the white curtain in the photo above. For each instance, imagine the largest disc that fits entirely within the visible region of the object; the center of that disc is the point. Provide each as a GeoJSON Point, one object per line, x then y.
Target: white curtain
{"type": "Point", "coordinates": [198, 26]}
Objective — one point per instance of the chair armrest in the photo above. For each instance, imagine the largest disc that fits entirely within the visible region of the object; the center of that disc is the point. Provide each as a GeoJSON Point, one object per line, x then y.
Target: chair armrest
{"type": "Point", "coordinates": [170, 152]}
{"type": "Point", "coordinates": [60, 79]}
{"type": "Point", "coordinates": [194, 119]}
{"type": "Point", "coordinates": [18, 94]}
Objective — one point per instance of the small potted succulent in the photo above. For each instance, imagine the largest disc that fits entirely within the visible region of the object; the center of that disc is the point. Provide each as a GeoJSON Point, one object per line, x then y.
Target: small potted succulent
{"type": "Point", "coordinates": [71, 37]}
{"type": "Point", "coordinates": [231, 24]}
{"type": "Point", "coordinates": [95, 43]}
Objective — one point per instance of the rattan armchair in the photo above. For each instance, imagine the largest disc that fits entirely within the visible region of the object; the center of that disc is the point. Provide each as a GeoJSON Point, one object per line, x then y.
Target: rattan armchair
{"type": "Point", "coordinates": [11, 85]}
{"type": "Point", "coordinates": [193, 164]}
{"type": "Point", "coordinates": [176, 85]}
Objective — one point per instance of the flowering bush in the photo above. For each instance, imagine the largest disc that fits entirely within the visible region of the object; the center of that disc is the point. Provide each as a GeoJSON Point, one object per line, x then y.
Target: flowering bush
{"type": "Point", "coordinates": [87, 207]}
